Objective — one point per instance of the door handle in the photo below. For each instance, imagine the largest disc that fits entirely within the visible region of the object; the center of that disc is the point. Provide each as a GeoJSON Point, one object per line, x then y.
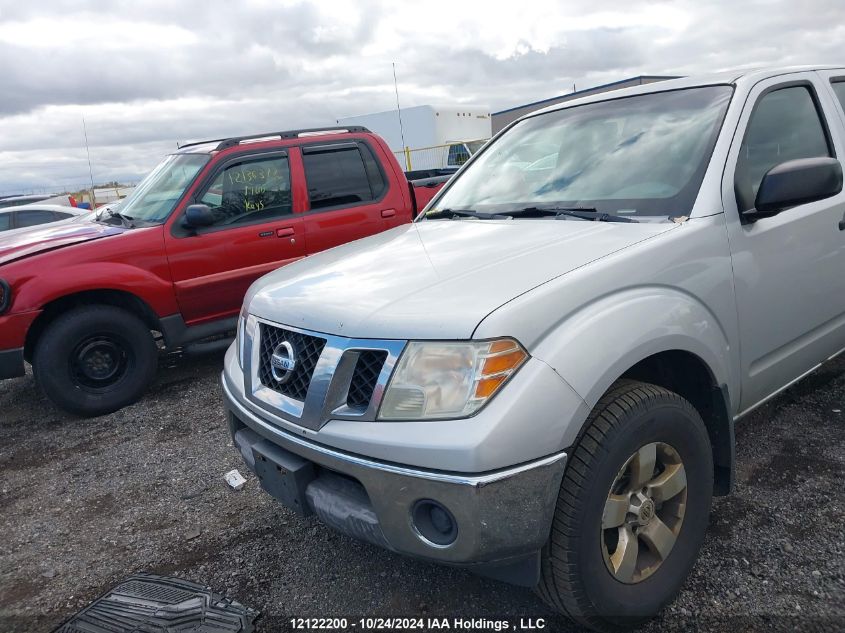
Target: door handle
{"type": "Point", "coordinates": [285, 232]}
{"type": "Point", "coordinates": [388, 213]}
{"type": "Point", "coordinates": [842, 223]}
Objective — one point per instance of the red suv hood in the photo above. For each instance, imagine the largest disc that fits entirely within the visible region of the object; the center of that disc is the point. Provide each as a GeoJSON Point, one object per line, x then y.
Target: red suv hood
{"type": "Point", "coordinates": [52, 236]}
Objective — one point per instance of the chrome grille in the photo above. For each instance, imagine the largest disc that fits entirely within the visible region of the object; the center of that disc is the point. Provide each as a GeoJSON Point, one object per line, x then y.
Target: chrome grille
{"type": "Point", "coordinates": [336, 377]}
{"type": "Point", "coordinates": [307, 350]}
{"type": "Point", "coordinates": [364, 378]}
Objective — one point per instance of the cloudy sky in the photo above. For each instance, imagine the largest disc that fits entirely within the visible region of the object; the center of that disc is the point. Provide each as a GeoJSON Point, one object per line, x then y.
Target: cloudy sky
{"type": "Point", "coordinates": [147, 74]}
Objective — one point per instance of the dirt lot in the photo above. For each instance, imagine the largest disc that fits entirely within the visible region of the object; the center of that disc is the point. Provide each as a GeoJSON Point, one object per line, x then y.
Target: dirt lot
{"type": "Point", "coordinates": [88, 502]}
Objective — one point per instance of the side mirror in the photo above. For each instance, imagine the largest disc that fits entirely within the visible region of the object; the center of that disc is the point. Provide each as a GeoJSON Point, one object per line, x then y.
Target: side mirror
{"type": "Point", "coordinates": [198, 216]}
{"type": "Point", "coordinates": [796, 182]}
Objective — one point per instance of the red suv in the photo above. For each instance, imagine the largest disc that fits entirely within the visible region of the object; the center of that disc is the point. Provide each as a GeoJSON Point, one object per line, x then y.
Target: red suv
{"type": "Point", "coordinates": [89, 303]}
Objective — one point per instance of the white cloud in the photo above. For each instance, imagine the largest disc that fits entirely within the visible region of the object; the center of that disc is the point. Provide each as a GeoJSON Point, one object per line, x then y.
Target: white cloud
{"type": "Point", "coordinates": [76, 31]}
{"type": "Point", "coordinates": [150, 73]}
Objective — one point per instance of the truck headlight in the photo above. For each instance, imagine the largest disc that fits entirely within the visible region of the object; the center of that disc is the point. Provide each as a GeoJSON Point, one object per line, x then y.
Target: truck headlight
{"type": "Point", "coordinates": [439, 380]}
{"type": "Point", "coordinates": [5, 296]}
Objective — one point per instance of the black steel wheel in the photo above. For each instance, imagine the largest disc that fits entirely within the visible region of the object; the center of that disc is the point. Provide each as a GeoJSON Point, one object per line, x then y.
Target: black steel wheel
{"type": "Point", "coordinates": [95, 359]}
{"type": "Point", "coordinates": [100, 361]}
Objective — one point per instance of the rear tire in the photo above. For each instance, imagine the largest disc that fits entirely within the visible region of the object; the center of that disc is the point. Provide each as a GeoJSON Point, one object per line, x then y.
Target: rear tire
{"type": "Point", "coordinates": [95, 360]}
{"type": "Point", "coordinates": [611, 504]}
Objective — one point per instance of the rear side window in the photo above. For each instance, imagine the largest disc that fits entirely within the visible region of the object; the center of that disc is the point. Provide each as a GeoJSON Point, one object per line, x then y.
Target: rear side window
{"type": "Point", "coordinates": [33, 218]}
{"type": "Point", "coordinates": [785, 125]}
{"type": "Point", "coordinates": [458, 154]}
{"type": "Point", "coordinates": [341, 175]}
{"type": "Point", "coordinates": [5, 221]}
{"type": "Point", "coordinates": [250, 191]}
{"type": "Point", "coordinates": [839, 89]}
{"type": "Point", "coordinates": [374, 175]}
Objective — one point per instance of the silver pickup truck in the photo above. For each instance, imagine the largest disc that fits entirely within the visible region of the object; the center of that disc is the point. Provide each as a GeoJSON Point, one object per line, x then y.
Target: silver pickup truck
{"type": "Point", "coordinates": [523, 382]}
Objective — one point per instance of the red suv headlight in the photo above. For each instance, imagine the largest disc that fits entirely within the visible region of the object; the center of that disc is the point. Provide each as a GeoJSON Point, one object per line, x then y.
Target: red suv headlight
{"type": "Point", "coordinates": [5, 296]}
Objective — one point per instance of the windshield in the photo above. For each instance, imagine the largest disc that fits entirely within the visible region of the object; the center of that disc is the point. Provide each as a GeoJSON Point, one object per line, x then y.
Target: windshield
{"type": "Point", "coordinates": [643, 155]}
{"type": "Point", "coordinates": [154, 198]}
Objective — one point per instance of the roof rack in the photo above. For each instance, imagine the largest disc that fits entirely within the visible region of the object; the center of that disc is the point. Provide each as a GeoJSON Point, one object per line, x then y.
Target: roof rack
{"type": "Point", "coordinates": [223, 143]}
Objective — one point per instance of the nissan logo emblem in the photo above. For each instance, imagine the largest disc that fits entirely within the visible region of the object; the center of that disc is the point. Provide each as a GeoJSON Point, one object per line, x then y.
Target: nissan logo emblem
{"type": "Point", "coordinates": [283, 362]}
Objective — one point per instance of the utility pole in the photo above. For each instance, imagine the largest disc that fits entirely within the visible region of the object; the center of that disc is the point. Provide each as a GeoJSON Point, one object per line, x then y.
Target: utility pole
{"type": "Point", "coordinates": [90, 170]}
{"type": "Point", "coordinates": [401, 129]}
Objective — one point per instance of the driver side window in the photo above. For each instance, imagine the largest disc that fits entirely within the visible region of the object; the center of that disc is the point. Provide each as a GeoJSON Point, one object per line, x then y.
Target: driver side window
{"type": "Point", "coordinates": [784, 125]}
{"type": "Point", "coordinates": [251, 191]}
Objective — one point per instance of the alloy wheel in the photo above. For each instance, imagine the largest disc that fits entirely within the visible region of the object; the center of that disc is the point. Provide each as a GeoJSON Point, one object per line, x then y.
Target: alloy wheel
{"type": "Point", "coordinates": [644, 512]}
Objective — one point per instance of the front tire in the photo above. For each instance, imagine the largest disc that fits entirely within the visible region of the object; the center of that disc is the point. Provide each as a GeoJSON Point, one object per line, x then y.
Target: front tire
{"type": "Point", "coordinates": [95, 360]}
{"type": "Point", "coordinates": [632, 509]}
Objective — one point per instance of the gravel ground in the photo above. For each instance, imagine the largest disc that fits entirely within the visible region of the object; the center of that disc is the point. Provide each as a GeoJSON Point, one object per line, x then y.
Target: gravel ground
{"type": "Point", "coordinates": [87, 502]}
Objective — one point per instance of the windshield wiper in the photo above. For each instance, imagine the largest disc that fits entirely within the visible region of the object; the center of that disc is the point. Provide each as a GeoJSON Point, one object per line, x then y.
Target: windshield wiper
{"type": "Point", "coordinates": [463, 213]}
{"type": "Point", "coordinates": [584, 213]}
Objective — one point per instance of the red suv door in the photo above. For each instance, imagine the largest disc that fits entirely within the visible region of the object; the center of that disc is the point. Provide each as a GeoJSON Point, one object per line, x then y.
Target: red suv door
{"type": "Point", "coordinates": [255, 231]}
{"type": "Point", "coordinates": [349, 195]}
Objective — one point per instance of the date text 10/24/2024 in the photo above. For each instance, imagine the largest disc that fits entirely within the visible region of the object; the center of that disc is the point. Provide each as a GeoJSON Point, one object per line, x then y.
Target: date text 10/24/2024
{"type": "Point", "coordinates": [417, 624]}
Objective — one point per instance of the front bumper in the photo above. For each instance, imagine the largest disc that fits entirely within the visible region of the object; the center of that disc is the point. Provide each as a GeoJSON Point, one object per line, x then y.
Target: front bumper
{"type": "Point", "coordinates": [11, 363]}
{"type": "Point", "coordinates": [503, 517]}
{"type": "Point", "coordinates": [13, 330]}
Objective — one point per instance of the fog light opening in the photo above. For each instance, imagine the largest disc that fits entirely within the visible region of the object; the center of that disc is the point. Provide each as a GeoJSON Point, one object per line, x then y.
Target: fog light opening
{"type": "Point", "coordinates": [433, 523]}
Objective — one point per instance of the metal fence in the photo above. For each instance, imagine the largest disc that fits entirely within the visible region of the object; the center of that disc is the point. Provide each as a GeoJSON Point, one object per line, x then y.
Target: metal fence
{"type": "Point", "coordinates": [434, 157]}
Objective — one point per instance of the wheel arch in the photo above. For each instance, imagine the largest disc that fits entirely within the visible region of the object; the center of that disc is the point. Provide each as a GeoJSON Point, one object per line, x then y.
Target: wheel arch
{"type": "Point", "coordinates": [691, 378]}
{"type": "Point", "coordinates": [688, 375]}
{"type": "Point", "coordinates": [655, 334]}
{"type": "Point", "coordinates": [111, 297]}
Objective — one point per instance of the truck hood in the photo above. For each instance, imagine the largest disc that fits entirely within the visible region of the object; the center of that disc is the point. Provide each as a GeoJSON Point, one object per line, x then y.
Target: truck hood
{"type": "Point", "coordinates": [433, 279]}
{"type": "Point", "coordinates": [52, 236]}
